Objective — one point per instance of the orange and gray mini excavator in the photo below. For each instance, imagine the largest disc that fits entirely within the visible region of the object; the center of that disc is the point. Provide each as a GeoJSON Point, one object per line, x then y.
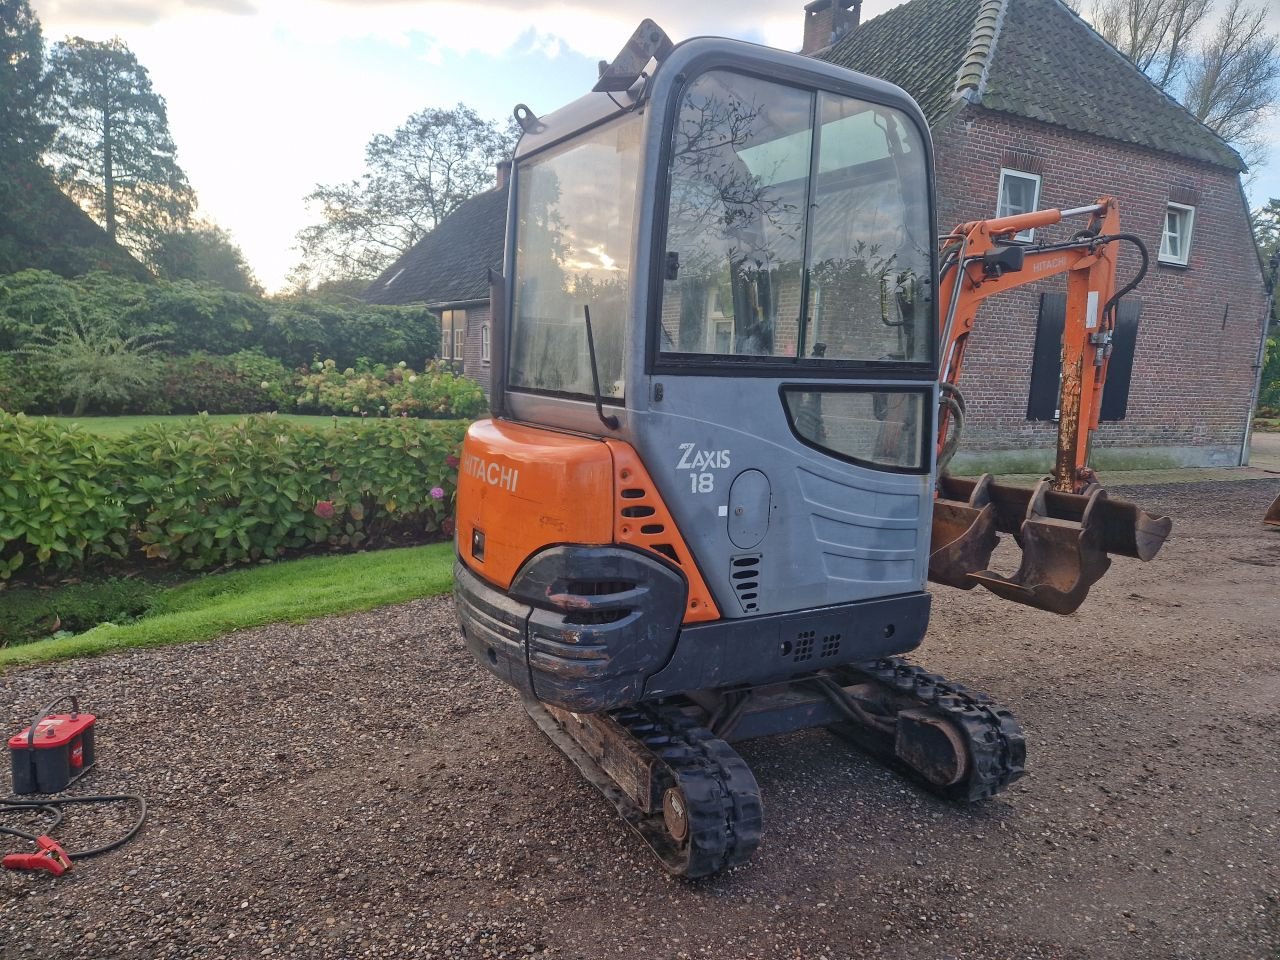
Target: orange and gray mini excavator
{"type": "Point", "coordinates": [726, 342]}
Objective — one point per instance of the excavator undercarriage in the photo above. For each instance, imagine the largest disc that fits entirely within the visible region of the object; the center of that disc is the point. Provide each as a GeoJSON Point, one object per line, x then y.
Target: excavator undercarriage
{"type": "Point", "coordinates": [670, 771]}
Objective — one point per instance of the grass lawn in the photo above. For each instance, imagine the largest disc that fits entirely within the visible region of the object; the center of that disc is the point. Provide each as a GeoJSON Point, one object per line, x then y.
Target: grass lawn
{"type": "Point", "coordinates": [292, 591]}
{"type": "Point", "coordinates": [1267, 424]}
{"type": "Point", "coordinates": [120, 426]}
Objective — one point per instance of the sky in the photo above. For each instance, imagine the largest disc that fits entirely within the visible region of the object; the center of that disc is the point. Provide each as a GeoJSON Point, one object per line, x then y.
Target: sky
{"type": "Point", "coordinates": [268, 98]}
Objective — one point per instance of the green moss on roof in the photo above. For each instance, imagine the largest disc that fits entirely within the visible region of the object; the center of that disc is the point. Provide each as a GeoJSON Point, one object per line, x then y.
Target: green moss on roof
{"type": "Point", "coordinates": [1030, 58]}
{"type": "Point", "coordinates": [919, 45]}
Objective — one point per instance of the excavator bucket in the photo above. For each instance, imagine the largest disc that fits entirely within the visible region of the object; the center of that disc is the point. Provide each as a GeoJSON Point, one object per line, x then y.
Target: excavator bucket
{"type": "Point", "coordinates": [963, 535]}
{"type": "Point", "coordinates": [1273, 513]}
{"type": "Point", "coordinates": [1067, 539]}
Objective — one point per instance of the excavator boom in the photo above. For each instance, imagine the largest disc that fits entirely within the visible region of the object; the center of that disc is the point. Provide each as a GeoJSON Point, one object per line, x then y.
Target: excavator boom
{"type": "Point", "coordinates": [1066, 525]}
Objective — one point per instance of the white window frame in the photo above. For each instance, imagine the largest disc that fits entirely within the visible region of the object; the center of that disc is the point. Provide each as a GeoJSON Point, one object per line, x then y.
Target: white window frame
{"type": "Point", "coordinates": [484, 342]}
{"type": "Point", "coordinates": [1024, 236]}
{"type": "Point", "coordinates": [1181, 258]}
{"type": "Point", "coordinates": [452, 323]}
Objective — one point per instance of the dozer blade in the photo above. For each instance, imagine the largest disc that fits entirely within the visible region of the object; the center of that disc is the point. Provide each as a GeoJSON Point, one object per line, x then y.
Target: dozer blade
{"type": "Point", "coordinates": [1273, 513]}
{"type": "Point", "coordinates": [1066, 539]}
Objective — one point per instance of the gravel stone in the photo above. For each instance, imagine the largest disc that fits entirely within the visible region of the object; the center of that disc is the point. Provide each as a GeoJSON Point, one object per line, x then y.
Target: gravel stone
{"type": "Point", "coordinates": [357, 787]}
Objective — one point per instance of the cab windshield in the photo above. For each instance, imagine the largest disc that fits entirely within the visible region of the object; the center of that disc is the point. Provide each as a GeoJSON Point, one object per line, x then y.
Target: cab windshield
{"type": "Point", "coordinates": [797, 227]}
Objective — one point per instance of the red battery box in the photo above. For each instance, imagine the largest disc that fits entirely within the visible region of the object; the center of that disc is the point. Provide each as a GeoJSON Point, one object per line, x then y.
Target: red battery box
{"type": "Point", "coordinates": [54, 752]}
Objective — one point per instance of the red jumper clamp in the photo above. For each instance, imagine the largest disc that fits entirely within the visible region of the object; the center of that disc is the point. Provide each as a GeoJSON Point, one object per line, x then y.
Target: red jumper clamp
{"type": "Point", "coordinates": [51, 857]}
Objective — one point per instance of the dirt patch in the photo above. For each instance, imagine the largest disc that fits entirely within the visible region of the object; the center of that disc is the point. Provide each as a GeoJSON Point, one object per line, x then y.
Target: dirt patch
{"type": "Point", "coordinates": [356, 787]}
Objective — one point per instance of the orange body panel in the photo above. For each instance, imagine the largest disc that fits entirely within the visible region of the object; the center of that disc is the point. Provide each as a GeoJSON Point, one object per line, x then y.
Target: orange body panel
{"type": "Point", "coordinates": [525, 489]}
{"type": "Point", "coordinates": [528, 488]}
{"type": "Point", "coordinates": [642, 520]}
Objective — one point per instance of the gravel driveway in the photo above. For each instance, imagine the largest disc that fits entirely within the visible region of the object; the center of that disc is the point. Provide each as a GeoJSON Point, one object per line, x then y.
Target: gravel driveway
{"type": "Point", "coordinates": [355, 787]}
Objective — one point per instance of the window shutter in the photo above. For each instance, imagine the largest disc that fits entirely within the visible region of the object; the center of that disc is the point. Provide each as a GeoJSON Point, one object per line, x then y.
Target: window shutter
{"type": "Point", "coordinates": [1124, 341]}
{"type": "Point", "coordinates": [1046, 362]}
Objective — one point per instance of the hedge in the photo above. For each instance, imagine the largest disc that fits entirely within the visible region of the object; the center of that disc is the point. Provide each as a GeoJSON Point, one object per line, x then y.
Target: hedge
{"type": "Point", "coordinates": [218, 494]}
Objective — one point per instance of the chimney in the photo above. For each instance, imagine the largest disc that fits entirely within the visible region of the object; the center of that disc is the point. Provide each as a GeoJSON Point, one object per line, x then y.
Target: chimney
{"type": "Point", "coordinates": [826, 21]}
{"type": "Point", "coordinates": [504, 171]}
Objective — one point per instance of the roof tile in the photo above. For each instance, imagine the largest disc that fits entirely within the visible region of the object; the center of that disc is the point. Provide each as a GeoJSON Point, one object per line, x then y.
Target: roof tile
{"type": "Point", "coordinates": [1031, 58]}
{"type": "Point", "coordinates": [450, 264]}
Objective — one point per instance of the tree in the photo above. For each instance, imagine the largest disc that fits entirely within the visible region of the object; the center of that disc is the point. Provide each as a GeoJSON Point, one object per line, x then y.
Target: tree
{"type": "Point", "coordinates": [1154, 34]}
{"type": "Point", "coordinates": [414, 178]}
{"type": "Point", "coordinates": [22, 131]}
{"type": "Point", "coordinates": [1233, 81]}
{"type": "Point", "coordinates": [113, 152]}
{"type": "Point", "coordinates": [1266, 228]}
{"type": "Point", "coordinates": [206, 253]}
{"type": "Point", "coordinates": [1226, 73]}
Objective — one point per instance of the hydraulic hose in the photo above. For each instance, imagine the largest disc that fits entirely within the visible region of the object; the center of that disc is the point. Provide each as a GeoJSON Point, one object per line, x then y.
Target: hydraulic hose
{"type": "Point", "coordinates": [1136, 240]}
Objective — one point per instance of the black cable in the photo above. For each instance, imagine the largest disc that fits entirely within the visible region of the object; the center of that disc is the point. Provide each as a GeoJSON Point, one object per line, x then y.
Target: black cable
{"type": "Point", "coordinates": [53, 808]}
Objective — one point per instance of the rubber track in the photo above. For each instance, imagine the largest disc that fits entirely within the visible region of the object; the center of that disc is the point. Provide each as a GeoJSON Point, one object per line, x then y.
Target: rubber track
{"type": "Point", "coordinates": [997, 747]}
{"type": "Point", "coordinates": [725, 816]}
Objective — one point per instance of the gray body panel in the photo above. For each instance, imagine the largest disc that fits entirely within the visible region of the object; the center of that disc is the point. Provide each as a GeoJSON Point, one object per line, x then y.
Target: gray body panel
{"type": "Point", "coordinates": [835, 532]}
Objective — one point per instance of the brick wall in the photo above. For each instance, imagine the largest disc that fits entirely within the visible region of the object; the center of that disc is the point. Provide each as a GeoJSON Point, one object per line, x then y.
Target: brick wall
{"type": "Point", "coordinates": [1193, 371]}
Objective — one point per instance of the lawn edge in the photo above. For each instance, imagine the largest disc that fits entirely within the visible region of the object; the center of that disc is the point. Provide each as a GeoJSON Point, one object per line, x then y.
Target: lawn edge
{"type": "Point", "coordinates": [141, 634]}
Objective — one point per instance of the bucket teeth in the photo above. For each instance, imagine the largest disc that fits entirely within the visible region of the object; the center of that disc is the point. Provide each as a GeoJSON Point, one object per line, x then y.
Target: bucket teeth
{"type": "Point", "coordinates": [1066, 539]}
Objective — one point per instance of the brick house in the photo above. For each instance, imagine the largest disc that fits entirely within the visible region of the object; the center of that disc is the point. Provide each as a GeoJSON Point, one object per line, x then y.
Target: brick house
{"type": "Point", "coordinates": [447, 270]}
{"type": "Point", "coordinates": [1029, 108]}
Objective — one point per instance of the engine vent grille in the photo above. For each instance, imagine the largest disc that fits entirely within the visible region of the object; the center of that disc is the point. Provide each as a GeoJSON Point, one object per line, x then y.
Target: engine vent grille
{"type": "Point", "coordinates": [745, 574]}
{"type": "Point", "coordinates": [807, 646]}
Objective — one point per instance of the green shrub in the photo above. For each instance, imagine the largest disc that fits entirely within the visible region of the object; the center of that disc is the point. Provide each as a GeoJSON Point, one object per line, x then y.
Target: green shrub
{"type": "Point", "coordinates": [30, 614]}
{"type": "Point", "coordinates": [245, 382]}
{"type": "Point", "coordinates": [59, 500]}
{"type": "Point", "coordinates": [94, 365]}
{"type": "Point", "coordinates": [26, 385]}
{"type": "Point", "coordinates": [219, 494]}
{"type": "Point", "coordinates": [389, 391]}
{"type": "Point", "coordinates": [300, 329]}
{"type": "Point", "coordinates": [1269, 395]}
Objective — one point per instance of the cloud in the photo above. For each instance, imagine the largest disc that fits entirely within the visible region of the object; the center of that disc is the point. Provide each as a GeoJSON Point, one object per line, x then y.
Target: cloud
{"type": "Point", "coordinates": [130, 13]}
{"type": "Point", "coordinates": [491, 26]}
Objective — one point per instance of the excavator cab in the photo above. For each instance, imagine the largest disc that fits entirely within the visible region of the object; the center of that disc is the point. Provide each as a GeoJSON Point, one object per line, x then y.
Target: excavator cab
{"type": "Point", "coordinates": [714, 414]}
{"type": "Point", "coordinates": [701, 509]}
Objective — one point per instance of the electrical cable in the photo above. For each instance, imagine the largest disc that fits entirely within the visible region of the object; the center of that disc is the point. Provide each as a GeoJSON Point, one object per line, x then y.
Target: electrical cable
{"type": "Point", "coordinates": [53, 809]}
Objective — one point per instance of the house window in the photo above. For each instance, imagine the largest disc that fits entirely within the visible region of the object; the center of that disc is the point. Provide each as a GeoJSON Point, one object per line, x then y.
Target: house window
{"type": "Point", "coordinates": [453, 334]}
{"type": "Point", "coordinates": [1175, 242]}
{"type": "Point", "coordinates": [1019, 193]}
{"type": "Point", "coordinates": [484, 342]}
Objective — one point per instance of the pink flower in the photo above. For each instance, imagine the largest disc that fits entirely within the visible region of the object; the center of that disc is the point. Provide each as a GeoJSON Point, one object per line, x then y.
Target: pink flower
{"type": "Point", "coordinates": [324, 509]}
{"type": "Point", "coordinates": [452, 461]}
{"type": "Point", "coordinates": [437, 493]}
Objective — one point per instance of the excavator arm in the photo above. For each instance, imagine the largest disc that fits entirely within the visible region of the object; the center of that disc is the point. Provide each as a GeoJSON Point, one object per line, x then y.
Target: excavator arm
{"type": "Point", "coordinates": [1066, 525]}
